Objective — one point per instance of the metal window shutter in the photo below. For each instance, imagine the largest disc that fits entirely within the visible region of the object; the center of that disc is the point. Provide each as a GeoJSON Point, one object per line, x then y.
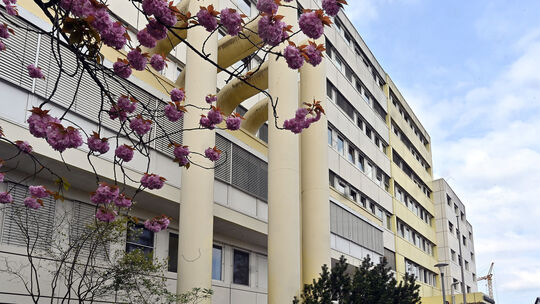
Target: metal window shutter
{"type": "Point", "coordinates": [249, 173]}
{"type": "Point", "coordinates": [40, 222]}
{"type": "Point", "coordinates": [223, 165]}
{"type": "Point", "coordinates": [83, 215]}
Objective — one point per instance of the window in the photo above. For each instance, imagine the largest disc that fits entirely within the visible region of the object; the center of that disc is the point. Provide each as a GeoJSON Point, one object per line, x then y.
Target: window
{"type": "Point", "coordinates": [341, 187]}
{"type": "Point", "coordinates": [468, 289]}
{"type": "Point", "coordinates": [340, 145]}
{"type": "Point", "coordinates": [464, 241]}
{"type": "Point", "coordinates": [360, 123]}
{"type": "Point", "coordinates": [453, 255]}
{"type": "Point", "coordinates": [388, 221]}
{"type": "Point", "coordinates": [241, 267]}
{"type": "Point", "coordinates": [217, 262]}
{"type": "Point", "coordinates": [330, 137]}
{"type": "Point", "coordinates": [173, 252]}
{"type": "Point", "coordinates": [329, 89]}
{"type": "Point", "coordinates": [368, 132]}
{"type": "Point", "coordinates": [360, 162]}
{"type": "Point", "coordinates": [351, 153]}
{"type": "Point", "coordinates": [140, 238]}
{"type": "Point", "coordinates": [451, 227]}
{"type": "Point", "coordinates": [369, 170]}
{"type": "Point", "coordinates": [363, 201]}
{"type": "Point", "coordinates": [379, 213]}
{"type": "Point", "coordinates": [462, 216]}
{"type": "Point", "coordinates": [472, 256]}
{"type": "Point", "coordinates": [466, 265]}
{"type": "Point", "coordinates": [353, 194]}
{"type": "Point", "coordinates": [455, 208]}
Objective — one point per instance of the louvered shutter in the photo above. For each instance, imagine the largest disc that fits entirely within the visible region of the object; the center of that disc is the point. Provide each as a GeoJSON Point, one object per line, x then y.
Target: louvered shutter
{"type": "Point", "coordinates": [249, 173]}
{"type": "Point", "coordinates": [18, 220]}
{"type": "Point", "coordinates": [83, 217]}
{"type": "Point", "coordinates": [223, 165]}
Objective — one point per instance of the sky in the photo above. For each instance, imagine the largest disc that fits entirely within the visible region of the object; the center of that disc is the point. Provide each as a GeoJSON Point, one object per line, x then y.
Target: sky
{"type": "Point", "coordinates": [471, 72]}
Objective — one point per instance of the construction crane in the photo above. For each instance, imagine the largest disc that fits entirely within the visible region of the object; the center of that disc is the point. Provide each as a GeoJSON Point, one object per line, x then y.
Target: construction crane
{"type": "Point", "coordinates": [489, 279]}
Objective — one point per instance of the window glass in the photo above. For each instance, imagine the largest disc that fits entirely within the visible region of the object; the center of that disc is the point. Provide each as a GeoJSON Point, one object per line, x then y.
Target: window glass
{"type": "Point", "coordinates": [173, 252]}
{"type": "Point", "coordinates": [330, 137]}
{"type": "Point", "coordinates": [360, 162]}
{"type": "Point", "coordinates": [217, 257]}
{"type": "Point", "coordinates": [340, 145]}
{"type": "Point", "coordinates": [241, 268]}
{"type": "Point", "coordinates": [244, 6]}
{"type": "Point", "coordinates": [141, 238]}
{"type": "Point", "coordinates": [351, 154]}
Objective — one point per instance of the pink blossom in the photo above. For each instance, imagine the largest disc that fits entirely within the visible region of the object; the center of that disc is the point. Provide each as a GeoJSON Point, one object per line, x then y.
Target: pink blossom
{"type": "Point", "coordinates": [152, 181]}
{"type": "Point", "coordinates": [2, 176]}
{"type": "Point", "coordinates": [168, 17]}
{"type": "Point", "coordinates": [12, 10]}
{"type": "Point", "coordinates": [293, 56]}
{"type": "Point", "coordinates": [39, 121]}
{"type": "Point", "coordinates": [181, 154]}
{"type": "Point", "coordinates": [24, 146]}
{"type": "Point", "coordinates": [207, 19]}
{"type": "Point", "coordinates": [104, 194]}
{"type": "Point", "coordinates": [38, 191]}
{"type": "Point", "coordinates": [145, 39]}
{"type": "Point", "coordinates": [61, 138]}
{"type": "Point", "coordinates": [97, 144]}
{"type": "Point", "coordinates": [152, 226]}
{"type": "Point", "coordinates": [156, 29]}
{"type": "Point", "coordinates": [157, 224]}
{"type": "Point", "coordinates": [212, 154]}
{"type": "Point", "coordinates": [215, 116]}
{"type": "Point", "coordinates": [206, 123]}
{"type": "Point", "coordinates": [311, 24]}
{"type": "Point", "coordinates": [154, 7]}
{"type": "Point", "coordinates": [140, 125]}
{"type": "Point", "coordinates": [267, 6]}
{"type": "Point", "coordinates": [5, 198]}
{"type": "Point", "coordinates": [301, 121]}
{"type": "Point", "coordinates": [173, 111]}
{"type": "Point", "coordinates": [137, 59]}
{"type": "Point", "coordinates": [2, 46]}
{"type": "Point", "coordinates": [233, 122]}
{"type": "Point", "coordinates": [231, 20]}
{"type": "Point", "coordinates": [33, 203]}
{"type": "Point", "coordinates": [331, 7]}
{"type": "Point", "coordinates": [124, 105]}
{"type": "Point", "coordinates": [124, 152]}
{"type": "Point", "coordinates": [35, 72]}
{"type": "Point", "coordinates": [105, 215]}
{"type": "Point", "coordinates": [4, 31]}
{"type": "Point", "coordinates": [101, 20]}
{"type": "Point", "coordinates": [115, 36]}
{"type": "Point", "coordinates": [178, 94]}
{"type": "Point", "coordinates": [123, 201]}
{"type": "Point", "coordinates": [272, 31]}
{"type": "Point", "coordinates": [314, 54]}
{"type": "Point", "coordinates": [157, 62]}
{"type": "Point", "coordinates": [211, 99]}
{"type": "Point", "coordinates": [122, 69]}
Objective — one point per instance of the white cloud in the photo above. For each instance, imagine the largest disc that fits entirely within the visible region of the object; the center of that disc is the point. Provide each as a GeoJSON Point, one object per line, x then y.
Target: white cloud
{"type": "Point", "coordinates": [485, 141]}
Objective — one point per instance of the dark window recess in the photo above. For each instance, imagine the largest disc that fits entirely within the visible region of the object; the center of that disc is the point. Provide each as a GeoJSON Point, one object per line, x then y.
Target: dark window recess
{"type": "Point", "coordinates": [173, 252]}
{"type": "Point", "coordinates": [345, 105]}
{"type": "Point", "coordinates": [241, 110]}
{"type": "Point", "coordinates": [263, 133]}
{"type": "Point", "coordinates": [217, 258]}
{"type": "Point", "coordinates": [390, 258]}
{"type": "Point", "coordinates": [140, 238]}
{"type": "Point", "coordinates": [331, 176]}
{"type": "Point", "coordinates": [241, 268]}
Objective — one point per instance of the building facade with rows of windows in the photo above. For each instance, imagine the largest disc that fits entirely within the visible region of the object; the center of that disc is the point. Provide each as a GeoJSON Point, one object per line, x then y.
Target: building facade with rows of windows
{"type": "Point", "coordinates": [380, 194]}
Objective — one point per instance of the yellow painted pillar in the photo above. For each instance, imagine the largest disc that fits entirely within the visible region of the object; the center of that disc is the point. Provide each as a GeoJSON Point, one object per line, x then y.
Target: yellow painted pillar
{"type": "Point", "coordinates": [284, 278]}
{"type": "Point", "coordinates": [197, 195]}
{"type": "Point", "coordinates": [314, 168]}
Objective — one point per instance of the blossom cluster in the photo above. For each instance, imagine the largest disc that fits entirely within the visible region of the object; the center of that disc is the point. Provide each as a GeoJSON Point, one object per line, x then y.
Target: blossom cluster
{"type": "Point", "coordinates": [213, 118]}
{"type": "Point", "coordinates": [181, 154]}
{"type": "Point", "coordinates": [97, 144]}
{"type": "Point", "coordinates": [42, 125]}
{"type": "Point", "coordinates": [212, 153]}
{"type": "Point", "coordinates": [24, 146]}
{"type": "Point", "coordinates": [152, 181]}
{"type": "Point", "coordinates": [107, 197]}
{"type": "Point", "coordinates": [304, 118]}
{"type": "Point", "coordinates": [124, 152]}
{"type": "Point", "coordinates": [10, 7]}
{"type": "Point", "coordinates": [140, 125]}
{"type": "Point", "coordinates": [112, 33]}
{"type": "Point", "coordinates": [174, 111]}
{"type": "Point", "coordinates": [37, 193]}
{"type": "Point", "coordinates": [157, 223]}
{"type": "Point", "coordinates": [124, 105]}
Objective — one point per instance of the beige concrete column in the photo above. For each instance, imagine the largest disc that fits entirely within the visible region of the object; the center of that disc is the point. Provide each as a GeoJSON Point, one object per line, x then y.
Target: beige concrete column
{"type": "Point", "coordinates": [197, 195]}
{"type": "Point", "coordinates": [314, 168]}
{"type": "Point", "coordinates": [284, 278]}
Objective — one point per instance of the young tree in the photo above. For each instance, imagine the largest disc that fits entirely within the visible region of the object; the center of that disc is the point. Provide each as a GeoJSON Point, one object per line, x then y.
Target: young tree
{"type": "Point", "coordinates": [369, 284]}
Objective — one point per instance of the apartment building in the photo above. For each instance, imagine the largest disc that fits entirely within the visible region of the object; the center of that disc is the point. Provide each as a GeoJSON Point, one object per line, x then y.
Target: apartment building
{"type": "Point", "coordinates": [377, 156]}
{"type": "Point", "coordinates": [453, 228]}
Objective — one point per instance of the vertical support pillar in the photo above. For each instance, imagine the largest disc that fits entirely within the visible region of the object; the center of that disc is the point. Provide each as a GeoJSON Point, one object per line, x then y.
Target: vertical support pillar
{"type": "Point", "coordinates": [314, 168]}
{"type": "Point", "coordinates": [197, 195]}
{"type": "Point", "coordinates": [284, 240]}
